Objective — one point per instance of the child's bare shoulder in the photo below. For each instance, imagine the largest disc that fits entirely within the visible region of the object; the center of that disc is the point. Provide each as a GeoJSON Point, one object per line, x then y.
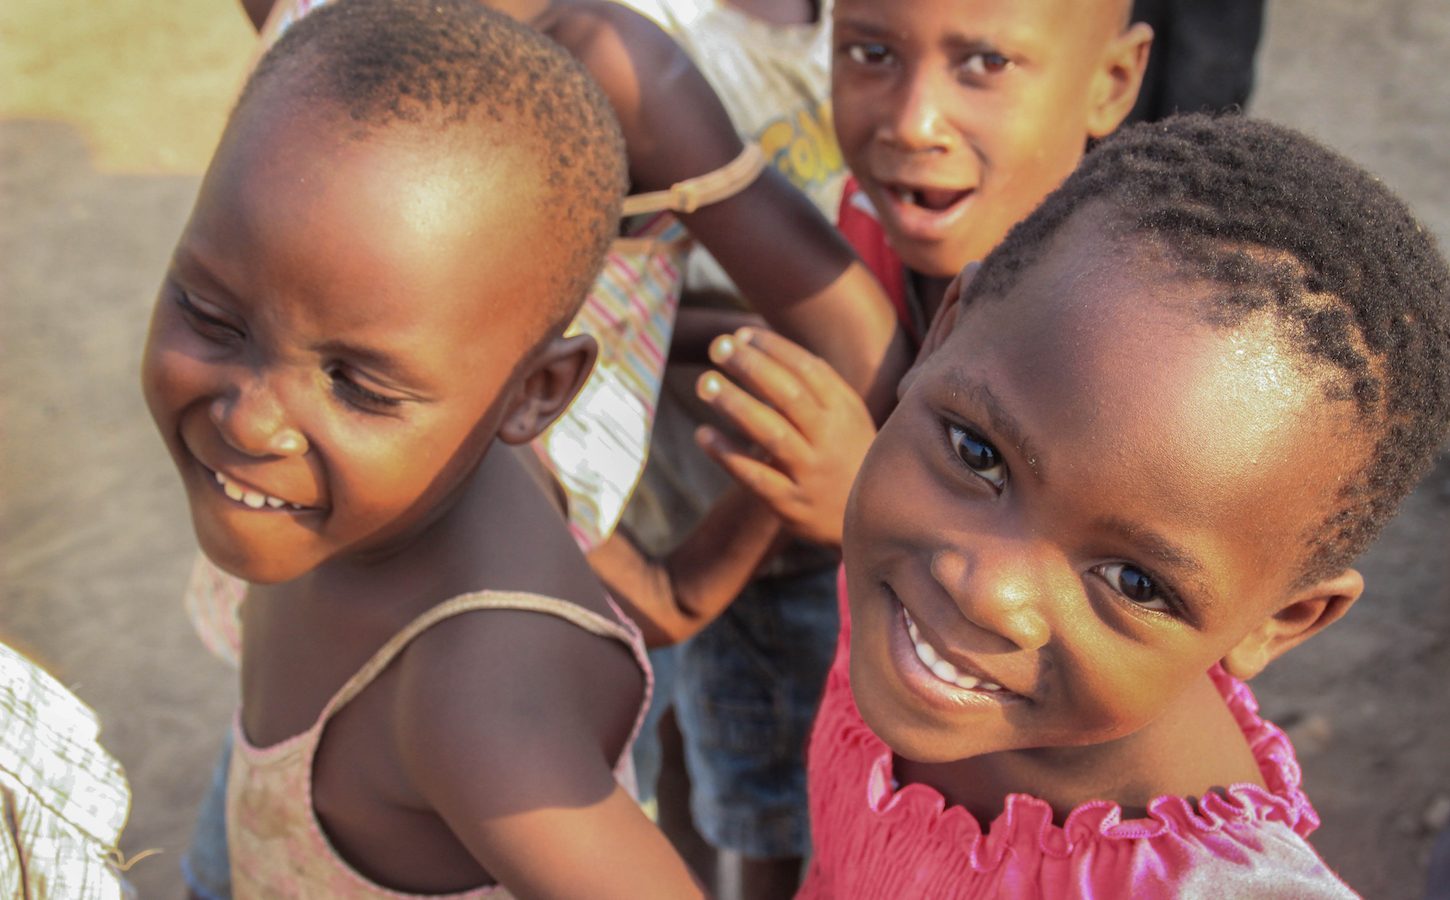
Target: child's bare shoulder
{"type": "Point", "coordinates": [534, 684]}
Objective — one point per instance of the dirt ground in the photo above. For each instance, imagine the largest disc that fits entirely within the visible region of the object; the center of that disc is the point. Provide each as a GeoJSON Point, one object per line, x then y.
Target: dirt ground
{"type": "Point", "coordinates": [107, 113]}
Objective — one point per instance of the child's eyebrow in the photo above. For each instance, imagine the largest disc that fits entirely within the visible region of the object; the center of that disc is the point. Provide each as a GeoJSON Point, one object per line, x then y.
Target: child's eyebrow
{"type": "Point", "coordinates": [1002, 421]}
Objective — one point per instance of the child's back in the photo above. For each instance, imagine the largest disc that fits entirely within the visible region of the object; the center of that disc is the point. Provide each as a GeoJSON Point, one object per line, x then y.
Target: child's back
{"type": "Point", "coordinates": [364, 314]}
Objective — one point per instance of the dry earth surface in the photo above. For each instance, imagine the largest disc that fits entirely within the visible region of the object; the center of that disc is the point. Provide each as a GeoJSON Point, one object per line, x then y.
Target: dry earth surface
{"type": "Point", "coordinates": [107, 114]}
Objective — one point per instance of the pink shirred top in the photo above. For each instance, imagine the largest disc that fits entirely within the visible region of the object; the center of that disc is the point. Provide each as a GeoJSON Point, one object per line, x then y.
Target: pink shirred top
{"type": "Point", "coordinates": [873, 839]}
{"type": "Point", "coordinates": [275, 841]}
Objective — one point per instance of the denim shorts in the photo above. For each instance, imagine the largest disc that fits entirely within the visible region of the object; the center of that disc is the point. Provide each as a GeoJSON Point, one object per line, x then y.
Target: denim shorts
{"type": "Point", "coordinates": [206, 867]}
{"type": "Point", "coordinates": [745, 692]}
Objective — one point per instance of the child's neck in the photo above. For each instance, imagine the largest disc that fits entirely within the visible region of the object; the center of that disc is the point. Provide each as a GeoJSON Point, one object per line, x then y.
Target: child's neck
{"type": "Point", "coordinates": [488, 535]}
{"type": "Point", "coordinates": [929, 291]}
{"type": "Point", "coordinates": [1194, 748]}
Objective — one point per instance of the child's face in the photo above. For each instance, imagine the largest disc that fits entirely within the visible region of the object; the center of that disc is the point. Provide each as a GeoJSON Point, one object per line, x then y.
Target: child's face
{"type": "Point", "coordinates": [1085, 498]}
{"type": "Point", "coordinates": [958, 116]}
{"type": "Point", "coordinates": [337, 338]}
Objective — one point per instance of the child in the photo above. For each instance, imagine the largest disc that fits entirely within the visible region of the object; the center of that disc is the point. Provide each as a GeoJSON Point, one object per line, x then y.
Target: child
{"type": "Point", "coordinates": [1131, 467]}
{"type": "Point", "coordinates": [363, 318]}
{"type": "Point", "coordinates": [975, 111]}
{"type": "Point", "coordinates": [956, 119]}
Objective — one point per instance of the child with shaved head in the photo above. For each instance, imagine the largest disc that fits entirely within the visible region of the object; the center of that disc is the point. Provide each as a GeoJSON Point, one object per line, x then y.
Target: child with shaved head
{"type": "Point", "coordinates": [362, 328]}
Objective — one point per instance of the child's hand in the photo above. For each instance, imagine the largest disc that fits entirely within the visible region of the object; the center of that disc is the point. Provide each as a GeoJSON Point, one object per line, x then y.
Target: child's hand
{"type": "Point", "coordinates": [811, 429]}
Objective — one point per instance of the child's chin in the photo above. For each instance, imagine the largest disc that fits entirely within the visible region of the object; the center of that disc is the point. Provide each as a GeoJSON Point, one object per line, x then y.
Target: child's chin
{"type": "Point", "coordinates": [251, 568]}
{"type": "Point", "coordinates": [938, 259]}
{"type": "Point", "coordinates": [909, 735]}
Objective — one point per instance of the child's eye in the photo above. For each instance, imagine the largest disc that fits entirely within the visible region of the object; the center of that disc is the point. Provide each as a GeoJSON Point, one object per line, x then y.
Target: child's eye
{"type": "Point", "coordinates": [985, 64]}
{"type": "Point", "coordinates": [978, 455]}
{"type": "Point", "coordinates": [868, 54]}
{"type": "Point", "coordinates": [1136, 585]}
{"type": "Point", "coordinates": [366, 399]}
{"type": "Point", "coordinates": [209, 326]}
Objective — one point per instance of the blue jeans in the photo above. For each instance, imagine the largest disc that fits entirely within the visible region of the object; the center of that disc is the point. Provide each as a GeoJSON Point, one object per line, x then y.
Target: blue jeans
{"type": "Point", "coordinates": [745, 692]}
{"type": "Point", "coordinates": [206, 867]}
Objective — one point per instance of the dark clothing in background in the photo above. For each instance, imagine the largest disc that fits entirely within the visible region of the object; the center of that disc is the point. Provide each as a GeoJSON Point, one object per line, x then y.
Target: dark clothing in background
{"type": "Point", "coordinates": [1202, 58]}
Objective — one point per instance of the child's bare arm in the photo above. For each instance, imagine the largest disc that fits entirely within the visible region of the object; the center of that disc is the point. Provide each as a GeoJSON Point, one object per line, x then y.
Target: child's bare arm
{"type": "Point", "coordinates": [508, 728]}
{"type": "Point", "coordinates": [674, 597]}
{"type": "Point", "coordinates": [782, 254]}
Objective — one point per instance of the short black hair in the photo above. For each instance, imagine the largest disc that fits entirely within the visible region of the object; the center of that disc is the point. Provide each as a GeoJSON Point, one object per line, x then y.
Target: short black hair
{"type": "Point", "coordinates": [441, 63]}
{"type": "Point", "coordinates": [1289, 228]}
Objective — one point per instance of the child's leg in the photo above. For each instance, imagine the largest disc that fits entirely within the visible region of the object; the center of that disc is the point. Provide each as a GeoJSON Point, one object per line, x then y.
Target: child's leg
{"type": "Point", "coordinates": [206, 867]}
{"type": "Point", "coordinates": [747, 694]}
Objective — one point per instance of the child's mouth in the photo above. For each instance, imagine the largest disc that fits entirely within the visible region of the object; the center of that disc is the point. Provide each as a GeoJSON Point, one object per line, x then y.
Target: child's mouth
{"type": "Point", "coordinates": [942, 669]}
{"type": "Point", "coordinates": [934, 200]}
{"type": "Point", "coordinates": [925, 214]}
{"type": "Point", "coordinates": [252, 498]}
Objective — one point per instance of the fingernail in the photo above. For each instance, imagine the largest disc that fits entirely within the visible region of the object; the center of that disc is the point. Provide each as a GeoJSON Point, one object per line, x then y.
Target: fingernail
{"type": "Point", "coordinates": [705, 436]}
{"type": "Point", "coordinates": [721, 349]}
{"type": "Point", "coordinates": [745, 335]}
{"type": "Point", "coordinates": [709, 386]}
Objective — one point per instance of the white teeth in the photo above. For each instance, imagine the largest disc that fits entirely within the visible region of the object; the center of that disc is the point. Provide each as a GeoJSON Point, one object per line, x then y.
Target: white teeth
{"type": "Point", "coordinates": [940, 667]}
{"type": "Point", "coordinates": [253, 499]}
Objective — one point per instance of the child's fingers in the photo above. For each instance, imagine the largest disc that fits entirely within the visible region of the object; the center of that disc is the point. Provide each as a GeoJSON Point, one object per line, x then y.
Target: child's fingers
{"type": "Point", "coordinates": [760, 478]}
{"type": "Point", "coordinates": [774, 384]}
{"type": "Point", "coordinates": [824, 382]}
{"type": "Point", "coordinates": [756, 421]}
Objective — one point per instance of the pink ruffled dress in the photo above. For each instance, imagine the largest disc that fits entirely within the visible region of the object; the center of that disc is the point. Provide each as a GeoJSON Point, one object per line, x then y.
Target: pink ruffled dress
{"type": "Point", "coordinates": [873, 839]}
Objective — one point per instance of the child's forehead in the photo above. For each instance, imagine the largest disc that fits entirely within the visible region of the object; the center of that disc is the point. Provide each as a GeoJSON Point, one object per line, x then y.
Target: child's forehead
{"type": "Point", "coordinates": [383, 223]}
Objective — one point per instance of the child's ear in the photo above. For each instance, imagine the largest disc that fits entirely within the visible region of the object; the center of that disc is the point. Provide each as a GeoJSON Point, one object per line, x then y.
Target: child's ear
{"type": "Point", "coordinates": [1119, 76]}
{"type": "Point", "coordinates": [941, 325]}
{"type": "Point", "coordinates": [1301, 618]}
{"type": "Point", "coordinates": [556, 373]}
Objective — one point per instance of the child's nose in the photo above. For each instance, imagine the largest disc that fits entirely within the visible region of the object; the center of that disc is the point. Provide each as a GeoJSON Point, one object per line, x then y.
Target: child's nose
{"type": "Point", "coordinates": [998, 589]}
{"type": "Point", "coordinates": [252, 419]}
{"type": "Point", "coordinates": [917, 119]}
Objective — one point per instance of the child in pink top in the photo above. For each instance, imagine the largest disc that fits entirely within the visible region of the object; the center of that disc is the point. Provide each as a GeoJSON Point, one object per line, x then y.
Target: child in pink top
{"type": "Point", "coordinates": [1139, 451]}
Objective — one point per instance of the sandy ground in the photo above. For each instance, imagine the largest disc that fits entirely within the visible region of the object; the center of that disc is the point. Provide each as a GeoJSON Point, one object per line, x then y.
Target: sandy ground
{"type": "Point", "coordinates": [107, 113]}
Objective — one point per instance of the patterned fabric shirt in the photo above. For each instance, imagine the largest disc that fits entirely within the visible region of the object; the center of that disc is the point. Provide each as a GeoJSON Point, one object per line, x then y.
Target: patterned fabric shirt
{"type": "Point", "coordinates": [63, 798]}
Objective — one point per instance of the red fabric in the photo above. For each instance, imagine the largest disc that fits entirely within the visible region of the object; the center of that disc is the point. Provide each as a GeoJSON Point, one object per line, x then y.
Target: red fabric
{"type": "Point", "coordinates": [857, 222]}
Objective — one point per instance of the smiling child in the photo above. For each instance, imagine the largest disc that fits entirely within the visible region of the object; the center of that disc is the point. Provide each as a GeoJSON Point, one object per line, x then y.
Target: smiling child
{"type": "Point", "coordinates": [1133, 465]}
{"type": "Point", "coordinates": [362, 321]}
{"type": "Point", "coordinates": [956, 117]}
